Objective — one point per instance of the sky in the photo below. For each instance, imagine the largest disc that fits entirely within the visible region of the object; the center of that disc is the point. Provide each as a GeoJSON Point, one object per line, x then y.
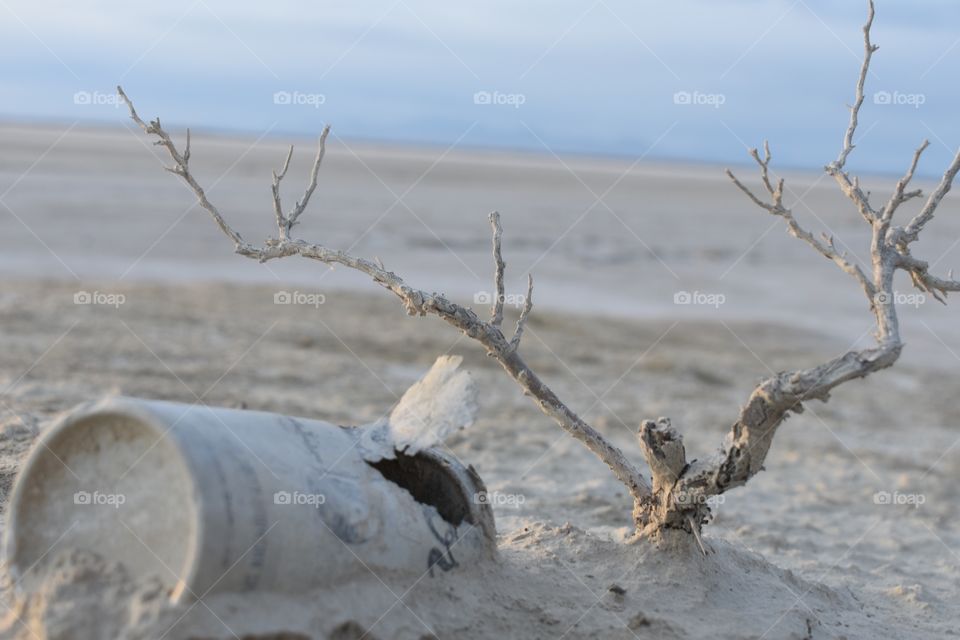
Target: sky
{"type": "Point", "coordinates": [687, 79]}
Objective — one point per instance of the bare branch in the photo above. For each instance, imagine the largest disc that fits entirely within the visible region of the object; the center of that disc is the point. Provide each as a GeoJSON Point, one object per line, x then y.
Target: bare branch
{"type": "Point", "coordinates": [745, 448]}
{"type": "Point", "coordinates": [826, 248]}
{"type": "Point", "coordinates": [765, 167]}
{"type": "Point", "coordinates": [312, 185]}
{"type": "Point", "coordinates": [899, 195]}
{"type": "Point", "coordinates": [275, 189]}
{"type": "Point", "coordinates": [912, 231]}
{"type": "Point", "coordinates": [937, 285]}
{"type": "Point", "coordinates": [524, 313]}
{"type": "Point", "coordinates": [851, 187]}
{"type": "Point", "coordinates": [180, 169]}
{"type": "Point", "coordinates": [749, 440]}
{"type": "Point", "coordinates": [925, 281]}
{"type": "Point", "coordinates": [757, 201]}
{"type": "Point", "coordinates": [496, 311]}
{"type": "Point", "coordinates": [680, 497]}
{"type": "Point", "coordinates": [420, 303]}
{"type": "Point", "coordinates": [868, 49]}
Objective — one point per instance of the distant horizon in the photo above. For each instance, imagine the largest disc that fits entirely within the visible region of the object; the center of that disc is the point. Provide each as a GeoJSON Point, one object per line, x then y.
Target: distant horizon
{"type": "Point", "coordinates": [275, 135]}
{"type": "Point", "coordinates": [694, 80]}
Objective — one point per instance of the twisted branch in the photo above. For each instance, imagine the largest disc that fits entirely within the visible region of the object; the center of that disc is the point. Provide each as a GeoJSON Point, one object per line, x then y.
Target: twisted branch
{"type": "Point", "coordinates": [416, 302]}
{"type": "Point", "coordinates": [680, 489]}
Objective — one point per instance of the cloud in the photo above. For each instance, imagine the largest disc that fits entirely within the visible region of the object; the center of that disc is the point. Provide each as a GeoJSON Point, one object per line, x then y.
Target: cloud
{"type": "Point", "coordinates": [596, 78]}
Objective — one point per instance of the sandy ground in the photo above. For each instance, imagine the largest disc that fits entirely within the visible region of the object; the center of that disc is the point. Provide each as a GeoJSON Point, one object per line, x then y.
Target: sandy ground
{"type": "Point", "coordinates": [613, 237]}
{"type": "Point", "coordinates": [804, 551]}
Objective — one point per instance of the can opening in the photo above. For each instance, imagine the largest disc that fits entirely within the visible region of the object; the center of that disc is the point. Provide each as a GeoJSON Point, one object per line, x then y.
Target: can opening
{"type": "Point", "coordinates": [430, 483]}
{"type": "Point", "coordinates": [132, 505]}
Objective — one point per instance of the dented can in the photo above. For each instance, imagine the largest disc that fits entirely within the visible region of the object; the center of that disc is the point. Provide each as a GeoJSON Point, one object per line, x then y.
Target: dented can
{"type": "Point", "coordinates": [212, 499]}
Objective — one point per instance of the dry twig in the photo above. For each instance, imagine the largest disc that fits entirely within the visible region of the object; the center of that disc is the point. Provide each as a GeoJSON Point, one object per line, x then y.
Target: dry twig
{"type": "Point", "coordinates": [681, 489]}
{"type": "Point", "coordinates": [415, 301]}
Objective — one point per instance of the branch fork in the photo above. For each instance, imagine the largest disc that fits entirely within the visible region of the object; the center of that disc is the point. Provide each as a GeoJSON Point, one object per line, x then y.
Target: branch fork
{"type": "Point", "coordinates": [749, 439]}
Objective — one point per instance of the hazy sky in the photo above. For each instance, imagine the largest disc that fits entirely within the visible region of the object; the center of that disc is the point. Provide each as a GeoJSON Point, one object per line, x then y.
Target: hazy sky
{"type": "Point", "coordinates": [600, 77]}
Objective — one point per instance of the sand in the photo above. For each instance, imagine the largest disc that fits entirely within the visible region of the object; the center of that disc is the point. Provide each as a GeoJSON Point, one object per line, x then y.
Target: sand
{"type": "Point", "coordinates": [615, 237]}
{"type": "Point", "coordinates": [811, 548]}
{"type": "Point", "coordinates": [802, 551]}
